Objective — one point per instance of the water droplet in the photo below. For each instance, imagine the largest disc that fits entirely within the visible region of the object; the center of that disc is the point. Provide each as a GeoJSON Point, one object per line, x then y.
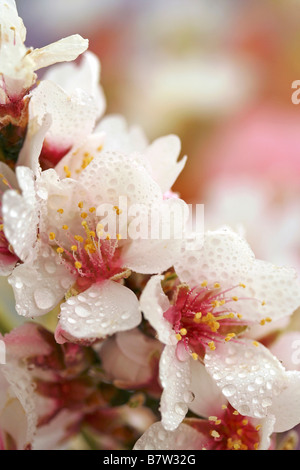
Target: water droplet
{"type": "Point", "coordinates": [181, 409]}
{"type": "Point", "coordinates": [82, 312]}
{"type": "Point", "coordinates": [188, 397]}
{"type": "Point", "coordinates": [266, 402]}
{"type": "Point", "coordinates": [50, 267]}
{"type": "Point", "coordinates": [229, 390]}
{"type": "Point", "coordinates": [44, 298]}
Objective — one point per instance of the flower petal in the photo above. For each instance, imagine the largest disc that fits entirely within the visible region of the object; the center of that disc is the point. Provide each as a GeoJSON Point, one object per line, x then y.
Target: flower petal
{"type": "Point", "coordinates": [20, 215]}
{"type": "Point", "coordinates": [163, 154]}
{"type": "Point", "coordinates": [65, 49]}
{"type": "Point", "coordinates": [175, 377]}
{"type": "Point", "coordinates": [40, 284]}
{"type": "Point", "coordinates": [101, 310]}
{"type": "Point", "coordinates": [157, 438]}
{"type": "Point", "coordinates": [226, 258]}
{"type": "Point", "coordinates": [154, 303]}
{"type": "Point", "coordinates": [253, 380]}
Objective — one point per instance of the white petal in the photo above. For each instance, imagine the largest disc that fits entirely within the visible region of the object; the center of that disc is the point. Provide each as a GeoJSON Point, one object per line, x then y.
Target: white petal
{"type": "Point", "coordinates": [40, 284]}
{"type": "Point", "coordinates": [286, 405]}
{"type": "Point", "coordinates": [163, 154]}
{"type": "Point", "coordinates": [154, 303]}
{"type": "Point", "coordinates": [21, 420]}
{"type": "Point", "coordinates": [20, 215]}
{"type": "Point", "coordinates": [120, 137]}
{"type": "Point", "coordinates": [113, 174]}
{"type": "Point", "coordinates": [175, 377]}
{"type": "Point", "coordinates": [250, 377]}
{"type": "Point", "coordinates": [73, 116]}
{"type": "Point", "coordinates": [65, 49]}
{"type": "Point", "coordinates": [157, 438]}
{"type": "Point", "coordinates": [85, 75]}
{"type": "Point", "coordinates": [266, 431]}
{"type": "Point", "coordinates": [271, 291]}
{"type": "Point", "coordinates": [12, 28]}
{"type": "Point", "coordinates": [208, 399]}
{"type": "Point", "coordinates": [35, 135]}
{"type": "Point", "coordinates": [103, 309]}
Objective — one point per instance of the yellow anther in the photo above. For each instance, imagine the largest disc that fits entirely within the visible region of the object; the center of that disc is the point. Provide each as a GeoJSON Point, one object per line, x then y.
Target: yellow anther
{"type": "Point", "coordinates": [215, 303]}
{"type": "Point", "coordinates": [262, 322]}
{"type": "Point", "coordinates": [239, 316]}
{"type": "Point", "coordinates": [217, 285]}
{"type": "Point", "coordinates": [61, 211]}
{"type": "Point", "coordinates": [215, 434]}
{"type": "Point", "coordinates": [1, 227]}
{"type": "Point", "coordinates": [99, 148]}
{"type": "Point", "coordinates": [258, 427]}
{"type": "Point", "coordinates": [239, 432]}
{"type": "Point", "coordinates": [83, 215]}
{"type": "Point", "coordinates": [80, 205]}
{"type": "Point", "coordinates": [263, 303]}
{"type": "Point", "coordinates": [59, 250]}
{"type": "Point", "coordinates": [67, 171]}
{"type": "Point", "coordinates": [92, 209]}
{"type": "Point", "coordinates": [86, 154]}
{"type": "Point", "coordinates": [183, 331]}
{"type": "Point", "coordinates": [65, 227]}
{"type": "Point", "coordinates": [84, 223]}
{"type": "Point", "coordinates": [74, 247]}
{"type": "Point", "coordinates": [224, 407]}
{"type": "Point", "coordinates": [256, 445]}
{"type": "Point", "coordinates": [52, 236]}
{"type": "Point", "coordinates": [79, 238]}
{"type": "Point", "coordinates": [178, 337]}
{"type": "Point", "coordinates": [255, 343]}
{"type": "Point", "coordinates": [268, 319]}
{"type": "Point", "coordinates": [218, 421]}
{"type": "Point", "coordinates": [195, 356]}
{"type": "Point", "coordinates": [118, 210]}
{"type": "Point", "coordinates": [222, 302]}
{"type": "Point", "coordinates": [242, 285]}
{"type": "Point", "coordinates": [119, 236]}
{"type": "Point", "coordinates": [4, 181]}
{"type": "Point", "coordinates": [212, 418]}
{"type": "Point", "coordinates": [92, 233]}
{"type": "Point", "coordinates": [78, 265]}
{"type": "Point", "coordinates": [245, 422]}
{"type": "Point", "coordinates": [107, 237]}
{"type": "Point", "coordinates": [211, 346]}
{"type": "Point", "coordinates": [235, 413]}
{"type": "Point", "coordinates": [229, 336]}
{"type": "Point", "coordinates": [235, 298]}
{"type": "Point", "coordinates": [204, 284]}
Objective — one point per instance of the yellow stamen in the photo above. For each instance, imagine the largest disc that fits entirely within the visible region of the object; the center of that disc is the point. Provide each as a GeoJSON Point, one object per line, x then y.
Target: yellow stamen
{"type": "Point", "coordinates": [211, 346]}
{"type": "Point", "coordinates": [83, 215]}
{"type": "Point", "coordinates": [204, 284]}
{"type": "Point", "coordinates": [236, 413]}
{"type": "Point", "coordinates": [183, 331]}
{"type": "Point", "coordinates": [65, 227]}
{"type": "Point", "coordinates": [195, 356]}
{"type": "Point", "coordinates": [178, 337]}
{"type": "Point", "coordinates": [214, 433]}
{"type": "Point", "coordinates": [78, 265]}
{"type": "Point", "coordinates": [217, 285]}
{"type": "Point", "coordinates": [229, 336]}
{"type": "Point", "coordinates": [242, 285]}
{"type": "Point", "coordinates": [92, 209]}
{"type": "Point", "coordinates": [61, 211]}
{"type": "Point", "coordinates": [79, 238]}
{"type": "Point", "coordinates": [59, 250]}
{"type": "Point", "coordinates": [235, 298]}
{"type": "Point", "coordinates": [119, 236]}
{"type": "Point", "coordinates": [52, 236]}
{"type": "Point", "coordinates": [74, 247]}
{"type": "Point", "coordinates": [245, 422]}
{"type": "Point", "coordinates": [255, 343]}
{"type": "Point", "coordinates": [80, 205]}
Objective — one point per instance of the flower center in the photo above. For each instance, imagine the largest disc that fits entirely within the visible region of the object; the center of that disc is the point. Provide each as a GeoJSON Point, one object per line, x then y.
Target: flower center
{"type": "Point", "coordinates": [90, 254]}
{"type": "Point", "coordinates": [232, 431]}
{"type": "Point", "coordinates": [204, 316]}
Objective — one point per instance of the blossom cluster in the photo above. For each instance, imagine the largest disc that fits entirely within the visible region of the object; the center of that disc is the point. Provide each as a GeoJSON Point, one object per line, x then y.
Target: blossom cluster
{"type": "Point", "coordinates": [164, 338]}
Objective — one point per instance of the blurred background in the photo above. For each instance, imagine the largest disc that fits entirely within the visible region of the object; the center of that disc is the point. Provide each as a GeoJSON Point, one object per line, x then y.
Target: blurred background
{"type": "Point", "coordinates": [219, 75]}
